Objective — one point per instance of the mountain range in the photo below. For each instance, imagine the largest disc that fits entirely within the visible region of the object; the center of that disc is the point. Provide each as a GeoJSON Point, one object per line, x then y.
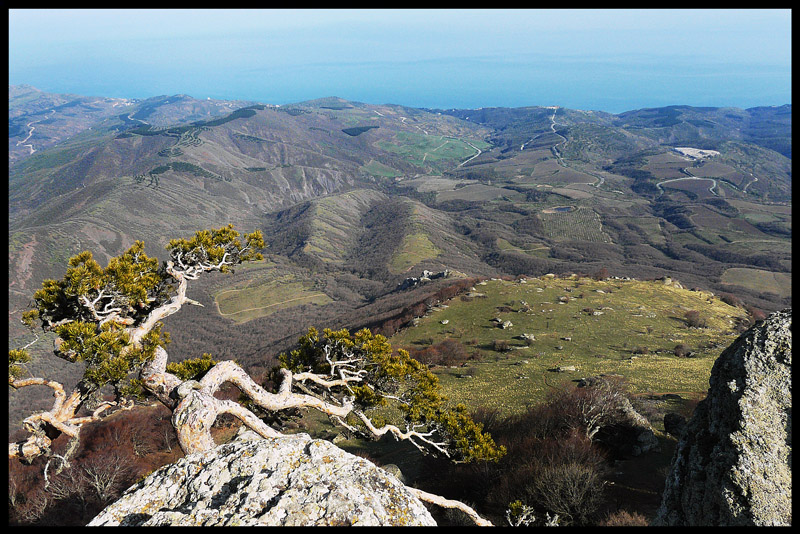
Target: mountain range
{"type": "Point", "coordinates": [354, 198]}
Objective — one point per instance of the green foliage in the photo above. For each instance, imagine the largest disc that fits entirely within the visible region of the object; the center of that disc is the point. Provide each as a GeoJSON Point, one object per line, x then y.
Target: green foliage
{"type": "Point", "coordinates": [132, 281]}
{"type": "Point", "coordinates": [106, 350]}
{"type": "Point", "coordinates": [16, 357]}
{"type": "Point", "coordinates": [193, 369]}
{"type": "Point", "coordinates": [182, 166]}
{"type": "Point", "coordinates": [29, 317]}
{"type": "Point", "coordinates": [357, 130]}
{"type": "Point", "coordinates": [134, 274]}
{"type": "Point", "coordinates": [242, 113]}
{"type": "Point", "coordinates": [210, 247]}
{"type": "Point", "coordinates": [388, 375]}
{"type": "Point", "coordinates": [91, 308]}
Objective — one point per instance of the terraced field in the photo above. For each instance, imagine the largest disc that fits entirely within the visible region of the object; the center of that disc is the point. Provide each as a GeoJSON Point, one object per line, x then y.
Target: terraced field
{"type": "Point", "coordinates": [246, 304]}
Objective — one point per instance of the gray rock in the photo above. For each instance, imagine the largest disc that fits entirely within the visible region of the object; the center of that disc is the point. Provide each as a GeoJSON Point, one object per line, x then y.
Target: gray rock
{"type": "Point", "coordinates": [646, 439]}
{"type": "Point", "coordinates": [733, 464]}
{"type": "Point", "coordinates": [394, 471]}
{"type": "Point", "coordinates": [293, 480]}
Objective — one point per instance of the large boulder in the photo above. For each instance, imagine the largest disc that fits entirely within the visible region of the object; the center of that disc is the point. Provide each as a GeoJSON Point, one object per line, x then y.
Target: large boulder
{"type": "Point", "coordinates": [732, 465]}
{"type": "Point", "coordinates": [293, 480]}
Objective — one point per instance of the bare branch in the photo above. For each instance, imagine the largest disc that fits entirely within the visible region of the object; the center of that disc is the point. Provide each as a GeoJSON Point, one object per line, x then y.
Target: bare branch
{"type": "Point", "coordinates": [449, 503]}
{"type": "Point", "coordinates": [410, 435]}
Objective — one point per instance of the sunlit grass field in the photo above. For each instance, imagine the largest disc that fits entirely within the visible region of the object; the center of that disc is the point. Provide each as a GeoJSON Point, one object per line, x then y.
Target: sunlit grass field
{"type": "Point", "coordinates": [246, 304]}
{"type": "Point", "coordinates": [624, 327]}
{"type": "Point", "coordinates": [415, 248]}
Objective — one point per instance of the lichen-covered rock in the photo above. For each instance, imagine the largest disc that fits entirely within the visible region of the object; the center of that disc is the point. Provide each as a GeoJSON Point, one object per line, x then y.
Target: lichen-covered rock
{"type": "Point", "coordinates": [732, 465]}
{"type": "Point", "coordinates": [293, 480]}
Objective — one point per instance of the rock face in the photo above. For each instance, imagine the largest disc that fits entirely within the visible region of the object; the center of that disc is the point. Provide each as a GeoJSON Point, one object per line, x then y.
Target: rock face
{"type": "Point", "coordinates": [732, 465]}
{"type": "Point", "coordinates": [674, 424]}
{"type": "Point", "coordinates": [294, 480]}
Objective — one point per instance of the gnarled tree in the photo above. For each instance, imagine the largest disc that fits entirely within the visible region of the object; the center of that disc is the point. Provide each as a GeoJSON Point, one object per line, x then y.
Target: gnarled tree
{"type": "Point", "coordinates": [110, 318]}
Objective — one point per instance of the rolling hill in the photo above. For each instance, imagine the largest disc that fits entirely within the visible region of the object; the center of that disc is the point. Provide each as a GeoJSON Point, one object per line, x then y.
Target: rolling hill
{"type": "Point", "coordinates": [355, 198]}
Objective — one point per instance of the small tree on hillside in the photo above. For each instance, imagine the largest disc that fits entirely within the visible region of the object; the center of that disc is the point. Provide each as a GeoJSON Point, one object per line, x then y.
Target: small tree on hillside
{"type": "Point", "coordinates": [110, 319]}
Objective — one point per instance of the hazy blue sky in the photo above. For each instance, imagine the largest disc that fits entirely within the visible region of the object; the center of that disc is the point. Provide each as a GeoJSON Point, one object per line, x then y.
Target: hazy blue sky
{"type": "Point", "coordinates": [612, 59]}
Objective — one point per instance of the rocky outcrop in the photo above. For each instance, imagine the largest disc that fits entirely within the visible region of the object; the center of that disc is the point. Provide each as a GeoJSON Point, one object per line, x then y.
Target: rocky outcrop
{"type": "Point", "coordinates": [293, 480]}
{"type": "Point", "coordinates": [732, 465]}
{"type": "Point", "coordinates": [427, 276]}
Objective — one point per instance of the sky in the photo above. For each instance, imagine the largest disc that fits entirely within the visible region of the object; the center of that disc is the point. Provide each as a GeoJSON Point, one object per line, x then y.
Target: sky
{"type": "Point", "coordinates": [609, 59]}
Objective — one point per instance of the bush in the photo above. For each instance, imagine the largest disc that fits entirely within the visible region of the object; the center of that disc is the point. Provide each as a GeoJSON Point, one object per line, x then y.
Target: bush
{"type": "Point", "coordinates": [694, 320]}
{"type": "Point", "coordinates": [681, 350]}
{"type": "Point", "coordinates": [551, 464]}
{"type": "Point", "coordinates": [573, 490]}
{"type": "Point", "coordinates": [756, 314]}
{"type": "Point", "coordinates": [448, 352]}
{"type": "Point", "coordinates": [500, 345]}
{"type": "Point", "coordinates": [731, 300]}
{"type": "Point", "coordinates": [623, 518]}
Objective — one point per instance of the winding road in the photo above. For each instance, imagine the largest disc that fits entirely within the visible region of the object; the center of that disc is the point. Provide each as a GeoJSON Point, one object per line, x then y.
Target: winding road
{"type": "Point", "coordinates": [744, 189]}
{"type": "Point", "coordinates": [689, 176]}
{"type": "Point", "coordinates": [557, 154]}
{"type": "Point", "coordinates": [30, 133]}
{"type": "Point", "coordinates": [473, 157]}
{"type": "Point", "coordinates": [554, 148]}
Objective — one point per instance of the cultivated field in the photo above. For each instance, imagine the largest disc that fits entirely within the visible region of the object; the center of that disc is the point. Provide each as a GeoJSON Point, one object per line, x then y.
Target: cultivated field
{"type": "Point", "coordinates": [246, 304]}
{"type": "Point", "coordinates": [582, 224]}
{"type": "Point", "coordinates": [759, 280]}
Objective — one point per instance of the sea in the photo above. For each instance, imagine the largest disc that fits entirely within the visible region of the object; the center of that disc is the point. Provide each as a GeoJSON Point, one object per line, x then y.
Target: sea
{"type": "Point", "coordinates": [611, 84]}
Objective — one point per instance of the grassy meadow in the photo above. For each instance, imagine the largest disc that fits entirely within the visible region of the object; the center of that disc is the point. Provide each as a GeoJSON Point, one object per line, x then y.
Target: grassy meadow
{"type": "Point", "coordinates": [625, 327]}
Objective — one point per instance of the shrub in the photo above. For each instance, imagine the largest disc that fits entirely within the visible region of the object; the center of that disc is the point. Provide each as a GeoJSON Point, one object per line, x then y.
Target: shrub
{"type": "Point", "coordinates": [573, 490]}
{"type": "Point", "coordinates": [756, 314]}
{"type": "Point", "coordinates": [448, 352]}
{"type": "Point", "coordinates": [623, 518]}
{"type": "Point", "coordinates": [500, 345]}
{"type": "Point", "coordinates": [731, 300]}
{"type": "Point", "coordinates": [694, 320]}
{"type": "Point", "coordinates": [681, 350]}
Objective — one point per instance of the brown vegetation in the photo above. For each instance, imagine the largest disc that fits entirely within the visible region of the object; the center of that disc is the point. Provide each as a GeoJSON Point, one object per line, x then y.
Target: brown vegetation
{"type": "Point", "coordinates": [113, 454]}
{"type": "Point", "coordinates": [448, 353]}
{"type": "Point", "coordinates": [552, 464]}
